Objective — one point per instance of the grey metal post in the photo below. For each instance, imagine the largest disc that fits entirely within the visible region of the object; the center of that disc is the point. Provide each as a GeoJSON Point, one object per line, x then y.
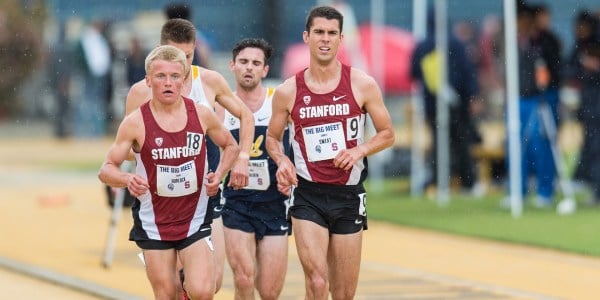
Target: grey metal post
{"type": "Point", "coordinates": [417, 161]}
{"type": "Point", "coordinates": [442, 138]}
{"type": "Point", "coordinates": [376, 164]}
{"type": "Point", "coordinates": [512, 102]}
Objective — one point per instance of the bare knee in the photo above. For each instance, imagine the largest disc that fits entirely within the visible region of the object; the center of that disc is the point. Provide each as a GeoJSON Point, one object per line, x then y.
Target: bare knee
{"type": "Point", "coordinates": [318, 284]}
{"type": "Point", "coordinates": [269, 283]}
{"type": "Point", "coordinates": [199, 290]}
{"type": "Point", "coordinates": [268, 294]}
{"type": "Point", "coordinates": [163, 288]}
{"type": "Point", "coordinates": [243, 280]}
{"type": "Point", "coordinates": [342, 290]}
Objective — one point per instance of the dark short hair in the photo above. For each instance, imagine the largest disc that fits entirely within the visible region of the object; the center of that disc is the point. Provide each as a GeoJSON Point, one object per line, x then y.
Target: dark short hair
{"type": "Point", "coordinates": [585, 16]}
{"type": "Point", "coordinates": [525, 10]}
{"type": "Point", "coordinates": [326, 12]}
{"type": "Point", "coordinates": [540, 8]}
{"type": "Point", "coordinates": [261, 44]}
{"type": "Point", "coordinates": [178, 31]}
{"type": "Point", "coordinates": [178, 10]}
{"type": "Point", "coordinates": [592, 48]}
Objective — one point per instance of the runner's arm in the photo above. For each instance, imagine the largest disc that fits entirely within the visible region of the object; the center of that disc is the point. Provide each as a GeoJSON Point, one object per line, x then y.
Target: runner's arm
{"type": "Point", "coordinates": [110, 172]}
{"type": "Point", "coordinates": [222, 138]}
{"type": "Point", "coordinates": [368, 96]}
{"type": "Point", "coordinates": [226, 98]}
{"type": "Point", "coordinates": [284, 95]}
{"type": "Point", "coordinates": [375, 107]}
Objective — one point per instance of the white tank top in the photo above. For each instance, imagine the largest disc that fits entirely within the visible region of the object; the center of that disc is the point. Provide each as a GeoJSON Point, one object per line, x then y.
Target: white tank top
{"type": "Point", "coordinates": [197, 91]}
{"type": "Point", "coordinates": [197, 95]}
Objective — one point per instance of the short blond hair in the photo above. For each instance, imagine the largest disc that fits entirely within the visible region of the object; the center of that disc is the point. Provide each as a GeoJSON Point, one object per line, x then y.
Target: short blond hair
{"type": "Point", "coordinates": [167, 53]}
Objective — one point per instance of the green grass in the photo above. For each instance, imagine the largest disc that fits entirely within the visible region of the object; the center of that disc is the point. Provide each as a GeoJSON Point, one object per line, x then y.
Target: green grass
{"type": "Point", "coordinates": [483, 218]}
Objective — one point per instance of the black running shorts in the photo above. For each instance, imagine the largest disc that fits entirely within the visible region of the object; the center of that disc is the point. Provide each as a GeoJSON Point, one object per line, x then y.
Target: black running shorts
{"type": "Point", "coordinates": [149, 244]}
{"type": "Point", "coordinates": [340, 208]}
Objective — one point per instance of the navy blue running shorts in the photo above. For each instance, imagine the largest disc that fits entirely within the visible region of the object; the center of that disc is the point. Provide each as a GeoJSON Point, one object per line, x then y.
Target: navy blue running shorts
{"type": "Point", "coordinates": [260, 218]}
{"type": "Point", "coordinates": [215, 205]}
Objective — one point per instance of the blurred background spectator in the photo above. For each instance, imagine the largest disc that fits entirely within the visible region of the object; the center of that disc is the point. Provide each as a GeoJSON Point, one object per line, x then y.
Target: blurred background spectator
{"type": "Point", "coordinates": [59, 77]}
{"type": "Point", "coordinates": [463, 81]}
{"type": "Point", "coordinates": [466, 32]}
{"type": "Point", "coordinates": [544, 37]}
{"type": "Point", "coordinates": [136, 69]}
{"type": "Point", "coordinates": [583, 74]}
{"type": "Point", "coordinates": [93, 64]}
{"type": "Point", "coordinates": [491, 66]}
{"type": "Point", "coordinates": [539, 64]}
{"type": "Point", "coordinates": [588, 169]}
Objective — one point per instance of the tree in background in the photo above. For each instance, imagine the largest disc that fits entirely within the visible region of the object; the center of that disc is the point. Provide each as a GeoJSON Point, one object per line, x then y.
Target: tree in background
{"type": "Point", "coordinates": [20, 48]}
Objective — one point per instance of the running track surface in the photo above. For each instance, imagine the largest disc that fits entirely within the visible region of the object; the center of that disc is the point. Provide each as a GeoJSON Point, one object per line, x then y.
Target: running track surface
{"type": "Point", "coordinates": [55, 225]}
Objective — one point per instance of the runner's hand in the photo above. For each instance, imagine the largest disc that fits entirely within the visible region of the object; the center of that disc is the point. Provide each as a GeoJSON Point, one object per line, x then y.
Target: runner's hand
{"type": "Point", "coordinates": [238, 177]}
{"type": "Point", "coordinates": [137, 185]}
{"type": "Point", "coordinates": [284, 189]}
{"type": "Point", "coordinates": [346, 158]}
{"type": "Point", "coordinates": [286, 173]}
{"type": "Point", "coordinates": [212, 184]}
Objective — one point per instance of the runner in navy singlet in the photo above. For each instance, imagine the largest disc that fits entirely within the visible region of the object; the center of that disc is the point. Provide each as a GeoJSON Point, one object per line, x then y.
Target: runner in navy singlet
{"type": "Point", "coordinates": [255, 220]}
{"type": "Point", "coordinates": [172, 182]}
{"type": "Point", "coordinates": [325, 106]}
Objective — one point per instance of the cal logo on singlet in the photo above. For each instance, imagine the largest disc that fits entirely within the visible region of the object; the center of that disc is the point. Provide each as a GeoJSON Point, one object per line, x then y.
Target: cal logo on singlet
{"type": "Point", "coordinates": [262, 184]}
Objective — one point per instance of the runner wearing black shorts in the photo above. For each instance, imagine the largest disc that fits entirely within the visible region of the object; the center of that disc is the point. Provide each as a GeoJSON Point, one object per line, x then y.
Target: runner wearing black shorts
{"type": "Point", "coordinates": [340, 208]}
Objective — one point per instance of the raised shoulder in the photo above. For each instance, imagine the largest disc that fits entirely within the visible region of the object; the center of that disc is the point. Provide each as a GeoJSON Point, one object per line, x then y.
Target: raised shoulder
{"type": "Point", "coordinates": [364, 87]}
{"type": "Point", "coordinates": [133, 120]}
{"type": "Point", "coordinates": [362, 79]}
{"type": "Point", "coordinates": [132, 128]}
{"type": "Point", "coordinates": [212, 78]}
{"type": "Point", "coordinates": [286, 91]}
{"type": "Point", "coordinates": [215, 87]}
{"type": "Point", "coordinates": [208, 74]}
{"type": "Point", "coordinates": [139, 93]}
{"type": "Point", "coordinates": [202, 110]}
{"type": "Point", "coordinates": [207, 117]}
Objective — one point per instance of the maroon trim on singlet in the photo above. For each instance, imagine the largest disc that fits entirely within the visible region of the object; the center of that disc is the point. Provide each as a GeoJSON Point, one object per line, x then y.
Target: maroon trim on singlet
{"type": "Point", "coordinates": [172, 215]}
{"type": "Point", "coordinates": [323, 171]}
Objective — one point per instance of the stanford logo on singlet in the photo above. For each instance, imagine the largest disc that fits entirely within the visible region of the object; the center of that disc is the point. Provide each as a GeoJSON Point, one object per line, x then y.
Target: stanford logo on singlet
{"type": "Point", "coordinates": [306, 100]}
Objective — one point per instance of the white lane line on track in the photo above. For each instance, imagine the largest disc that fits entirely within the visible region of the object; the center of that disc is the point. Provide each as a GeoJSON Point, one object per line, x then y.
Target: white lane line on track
{"type": "Point", "coordinates": [65, 281]}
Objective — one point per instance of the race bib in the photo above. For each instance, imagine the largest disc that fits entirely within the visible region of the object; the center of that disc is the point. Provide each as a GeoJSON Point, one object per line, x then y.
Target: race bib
{"type": "Point", "coordinates": [194, 141]}
{"type": "Point", "coordinates": [176, 181]}
{"type": "Point", "coordinates": [323, 142]}
{"type": "Point", "coordinates": [355, 128]}
{"type": "Point", "coordinates": [258, 175]}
